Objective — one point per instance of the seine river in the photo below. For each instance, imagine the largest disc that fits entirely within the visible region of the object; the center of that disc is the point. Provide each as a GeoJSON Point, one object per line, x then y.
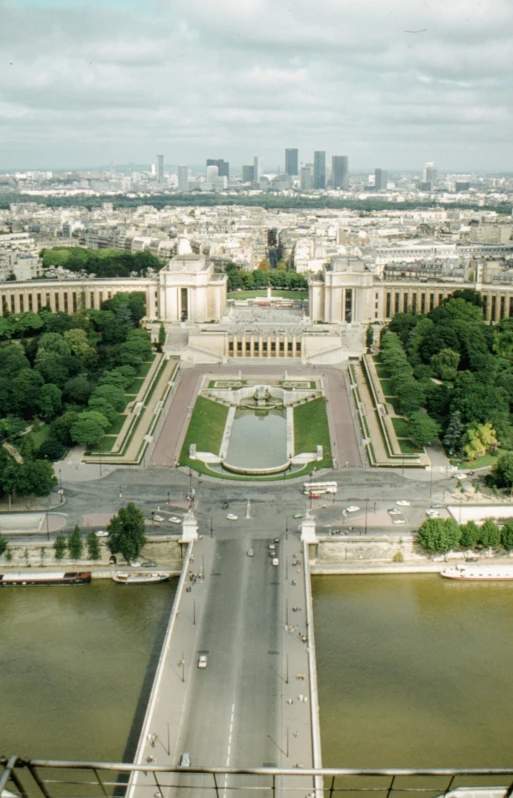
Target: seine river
{"type": "Point", "coordinates": [413, 670]}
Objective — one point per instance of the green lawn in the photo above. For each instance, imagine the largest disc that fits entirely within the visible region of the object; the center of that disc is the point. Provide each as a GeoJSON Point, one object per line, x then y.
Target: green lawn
{"type": "Point", "coordinates": [383, 372]}
{"type": "Point", "coordinates": [311, 430]}
{"type": "Point", "coordinates": [408, 447]}
{"type": "Point", "coordinates": [480, 462]}
{"type": "Point", "coordinates": [206, 429]}
{"type": "Point", "coordinates": [401, 427]}
{"type": "Point", "coordinates": [115, 427]}
{"type": "Point", "coordinates": [39, 433]}
{"type": "Point", "coordinates": [135, 387]}
{"type": "Point", "coordinates": [105, 445]}
{"type": "Point", "coordinates": [145, 367]}
{"type": "Point", "coordinates": [392, 400]}
{"type": "Point", "coordinates": [387, 387]}
{"type": "Point", "coordinates": [277, 292]}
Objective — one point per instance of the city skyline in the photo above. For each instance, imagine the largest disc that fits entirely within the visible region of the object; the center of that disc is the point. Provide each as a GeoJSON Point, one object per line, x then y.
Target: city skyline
{"type": "Point", "coordinates": [84, 85]}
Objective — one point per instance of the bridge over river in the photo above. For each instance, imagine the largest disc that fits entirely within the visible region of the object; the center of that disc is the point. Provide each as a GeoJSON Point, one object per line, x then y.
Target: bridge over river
{"type": "Point", "coordinates": [255, 704]}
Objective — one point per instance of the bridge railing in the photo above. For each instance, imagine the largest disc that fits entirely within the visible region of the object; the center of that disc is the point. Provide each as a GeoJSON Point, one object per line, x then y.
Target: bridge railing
{"type": "Point", "coordinates": [39, 778]}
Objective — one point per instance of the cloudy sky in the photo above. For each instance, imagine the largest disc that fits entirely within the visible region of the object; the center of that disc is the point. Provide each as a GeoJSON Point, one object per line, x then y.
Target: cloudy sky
{"type": "Point", "coordinates": [88, 83]}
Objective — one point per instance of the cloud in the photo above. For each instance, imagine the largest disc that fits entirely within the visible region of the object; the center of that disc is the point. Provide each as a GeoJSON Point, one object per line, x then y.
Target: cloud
{"type": "Point", "coordinates": [122, 81]}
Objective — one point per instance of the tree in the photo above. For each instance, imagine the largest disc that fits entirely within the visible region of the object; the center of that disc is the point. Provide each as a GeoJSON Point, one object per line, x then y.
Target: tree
{"type": "Point", "coordinates": [61, 428]}
{"type": "Point", "coordinates": [452, 439]}
{"type": "Point", "coordinates": [52, 342]}
{"type": "Point", "coordinates": [30, 478]}
{"type": "Point", "coordinates": [93, 546]}
{"type": "Point", "coordinates": [89, 427]}
{"type": "Point", "coordinates": [503, 469]}
{"type": "Point", "coordinates": [264, 266]}
{"type": "Point", "coordinates": [50, 401]}
{"type": "Point", "coordinates": [75, 544]}
{"type": "Point", "coordinates": [480, 438]}
{"type": "Point", "coordinates": [507, 535]}
{"type": "Point", "coordinates": [78, 389]}
{"type": "Point", "coordinates": [3, 544]}
{"type": "Point", "coordinates": [469, 535]}
{"type": "Point", "coordinates": [126, 532]}
{"type": "Point", "coordinates": [51, 450]}
{"type": "Point", "coordinates": [162, 337]}
{"type": "Point", "coordinates": [112, 394]}
{"type": "Point", "coordinates": [489, 534]}
{"type": "Point", "coordinates": [77, 340]}
{"type": "Point", "coordinates": [105, 408]}
{"type": "Point", "coordinates": [59, 547]}
{"type": "Point", "coordinates": [422, 428]}
{"type": "Point", "coordinates": [445, 364]}
{"type": "Point", "coordinates": [369, 336]}
{"type": "Point", "coordinates": [437, 534]}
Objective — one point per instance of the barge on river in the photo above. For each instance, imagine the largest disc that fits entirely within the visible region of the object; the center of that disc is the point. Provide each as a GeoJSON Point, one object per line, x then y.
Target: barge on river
{"type": "Point", "coordinates": [16, 578]}
{"type": "Point", "coordinates": [140, 578]}
{"type": "Point", "coordinates": [479, 573]}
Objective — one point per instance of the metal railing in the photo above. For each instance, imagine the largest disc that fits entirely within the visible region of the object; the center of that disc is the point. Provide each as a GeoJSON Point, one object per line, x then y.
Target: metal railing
{"type": "Point", "coordinates": [39, 778]}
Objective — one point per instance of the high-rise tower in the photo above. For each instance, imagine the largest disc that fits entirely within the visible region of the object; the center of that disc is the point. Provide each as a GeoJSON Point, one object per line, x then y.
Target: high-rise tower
{"type": "Point", "coordinates": [340, 171]}
{"type": "Point", "coordinates": [160, 168]}
{"type": "Point", "coordinates": [380, 179]}
{"type": "Point", "coordinates": [319, 169]}
{"type": "Point", "coordinates": [291, 162]}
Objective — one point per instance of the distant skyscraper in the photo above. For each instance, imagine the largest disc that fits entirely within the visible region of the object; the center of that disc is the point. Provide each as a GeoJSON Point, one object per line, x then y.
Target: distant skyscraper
{"type": "Point", "coordinates": [306, 177]}
{"type": "Point", "coordinates": [160, 168]}
{"type": "Point", "coordinates": [340, 171]}
{"type": "Point", "coordinates": [319, 175]}
{"type": "Point", "coordinates": [223, 166]}
{"type": "Point", "coordinates": [430, 174]}
{"type": "Point", "coordinates": [248, 174]}
{"type": "Point", "coordinates": [212, 172]}
{"type": "Point", "coordinates": [380, 179]}
{"type": "Point", "coordinates": [258, 166]}
{"type": "Point", "coordinates": [183, 179]}
{"type": "Point", "coordinates": [291, 162]}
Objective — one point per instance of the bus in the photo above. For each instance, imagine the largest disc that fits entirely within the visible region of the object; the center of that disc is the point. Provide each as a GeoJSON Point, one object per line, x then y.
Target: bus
{"type": "Point", "coordinates": [318, 488]}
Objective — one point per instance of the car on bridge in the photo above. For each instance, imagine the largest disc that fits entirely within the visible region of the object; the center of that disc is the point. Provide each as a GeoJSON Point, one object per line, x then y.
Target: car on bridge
{"type": "Point", "coordinates": [185, 760]}
{"type": "Point", "coordinates": [275, 561]}
{"type": "Point", "coordinates": [202, 660]}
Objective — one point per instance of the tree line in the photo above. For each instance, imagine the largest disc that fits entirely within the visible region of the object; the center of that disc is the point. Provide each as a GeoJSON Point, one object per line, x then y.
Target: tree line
{"type": "Point", "coordinates": [70, 372]}
{"type": "Point", "coordinates": [100, 262]}
{"type": "Point", "coordinates": [443, 535]}
{"type": "Point", "coordinates": [263, 276]}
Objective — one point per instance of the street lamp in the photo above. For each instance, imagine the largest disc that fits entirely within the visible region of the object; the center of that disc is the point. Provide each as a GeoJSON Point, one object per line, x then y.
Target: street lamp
{"type": "Point", "coordinates": [366, 504]}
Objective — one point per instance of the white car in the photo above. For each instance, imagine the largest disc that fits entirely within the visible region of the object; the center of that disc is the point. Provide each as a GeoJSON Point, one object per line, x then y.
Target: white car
{"type": "Point", "coordinates": [352, 508]}
{"type": "Point", "coordinates": [202, 661]}
{"type": "Point", "coordinates": [135, 564]}
{"type": "Point", "coordinates": [251, 553]}
{"type": "Point", "coordinates": [232, 517]}
{"type": "Point", "coordinates": [102, 533]}
{"type": "Point", "coordinates": [394, 511]}
{"type": "Point", "coordinates": [398, 521]}
{"type": "Point", "coordinates": [175, 520]}
{"type": "Point", "coordinates": [403, 503]}
{"type": "Point", "coordinates": [276, 561]}
{"type": "Point", "coordinates": [459, 475]}
{"type": "Point", "coordinates": [157, 517]}
{"type": "Point", "coordinates": [432, 514]}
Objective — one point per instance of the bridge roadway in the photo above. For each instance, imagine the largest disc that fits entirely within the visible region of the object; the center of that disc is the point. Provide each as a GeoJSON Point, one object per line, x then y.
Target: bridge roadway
{"type": "Point", "coordinates": [247, 708]}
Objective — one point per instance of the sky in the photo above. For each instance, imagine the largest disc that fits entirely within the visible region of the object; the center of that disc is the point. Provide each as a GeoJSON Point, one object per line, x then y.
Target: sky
{"type": "Point", "coordinates": [389, 83]}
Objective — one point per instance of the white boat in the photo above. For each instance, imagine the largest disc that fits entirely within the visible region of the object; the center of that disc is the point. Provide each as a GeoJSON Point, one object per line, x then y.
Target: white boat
{"type": "Point", "coordinates": [479, 573]}
{"type": "Point", "coordinates": [140, 577]}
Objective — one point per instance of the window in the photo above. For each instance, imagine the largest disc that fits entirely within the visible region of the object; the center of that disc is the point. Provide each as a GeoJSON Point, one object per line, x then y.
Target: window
{"type": "Point", "coordinates": [91, 299]}
{"type": "Point", "coordinates": [65, 303]}
{"type": "Point", "coordinates": [494, 304]}
{"type": "Point", "coordinates": [30, 302]}
{"type": "Point", "coordinates": [397, 303]}
{"type": "Point", "coordinates": [74, 301]}
{"type": "Point", "coordinates": [22, 303]}
{"type": "Point", "coordinates": [503, 307]}
{"type": "Point", "coordinates": [12, 303]}
{"type": "Point", "coordinates": [388, 312]}
{"type": "Point", "coordinates": [38, 301]}
{"type": "Point", "coordinates": [57, 302]}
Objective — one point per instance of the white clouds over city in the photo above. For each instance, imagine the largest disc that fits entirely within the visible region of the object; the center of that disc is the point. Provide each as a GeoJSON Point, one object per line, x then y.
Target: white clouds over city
{"type": "Point", "coordinates": [388, 83]}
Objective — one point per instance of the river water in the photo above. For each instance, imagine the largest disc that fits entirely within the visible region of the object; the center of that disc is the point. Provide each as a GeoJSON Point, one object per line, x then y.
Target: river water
{"type": "Point", "coordinates": [413, 670]}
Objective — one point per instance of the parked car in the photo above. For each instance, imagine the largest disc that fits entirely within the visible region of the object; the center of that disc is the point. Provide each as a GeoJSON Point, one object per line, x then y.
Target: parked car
{"type": "Point", "coordinates": [299, 515]}
{"type": "Point", "coordinates": [251, 553]}
{"type": "Point", "coordinates": [135, 564]}
{"type": "Point", "coordinates": [202, 660]}
{"type": "Point", "coordinates": [175, 520]}
{"type": "Point", "coordinates": [403, 503]}
{"type": "Point", "coordinates": [398, 521]}
{"type": "Point", "coordinates": [276, 561]}
{"type": "Point", "coordinates": [185, 760]}
{"type": "Point", "coordinates": [102, 533]}
{"type": "Point", "coordinates": [272, 546]}
{"type": "Point", "coordinates": [394, 511]}
{"type": "Point", "coordinates": [148, 564]}
{"type": "Point", "coordinates": [352, 508]}
{"type": "Point", "coordinates": [432, 514]}
{"type": "Point", "coordinates": [459, 475]}
{"type": "Point", "coordinates": [158, 518]}
{"type": "Point", "coordinates": [232, 517]}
